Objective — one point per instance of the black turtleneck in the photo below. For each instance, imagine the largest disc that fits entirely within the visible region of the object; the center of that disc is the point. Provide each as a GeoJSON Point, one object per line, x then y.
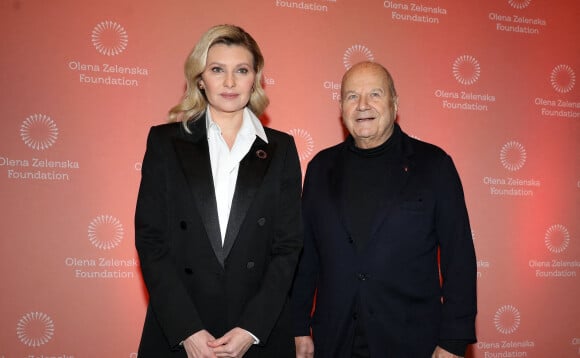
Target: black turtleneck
{"type": "Point", "coordinates": [368, 183]}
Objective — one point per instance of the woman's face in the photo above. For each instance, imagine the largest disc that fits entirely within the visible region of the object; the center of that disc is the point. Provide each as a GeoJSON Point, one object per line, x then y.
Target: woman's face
{"type": "Point", "coordinates": [228, 78]}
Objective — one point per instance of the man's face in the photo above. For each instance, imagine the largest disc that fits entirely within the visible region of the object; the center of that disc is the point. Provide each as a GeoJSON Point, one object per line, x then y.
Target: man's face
{"type": "Point", "coordinates": [368, 112]}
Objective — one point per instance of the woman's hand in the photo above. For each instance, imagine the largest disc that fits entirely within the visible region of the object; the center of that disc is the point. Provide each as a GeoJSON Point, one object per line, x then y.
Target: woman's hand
{"type": "Point", "coordinates": [233, 344]}
{"type": "Point", "coordinates": [196, 345]}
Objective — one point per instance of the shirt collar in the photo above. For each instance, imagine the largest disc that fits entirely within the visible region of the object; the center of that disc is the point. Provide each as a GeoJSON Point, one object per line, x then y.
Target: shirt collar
{"type": "Point", "coordinates": [251, 125]}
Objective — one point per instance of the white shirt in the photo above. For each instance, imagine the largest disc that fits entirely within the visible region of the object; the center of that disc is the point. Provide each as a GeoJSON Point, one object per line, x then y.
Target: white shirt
{"type": "Point", "coordinates": [225, 163]}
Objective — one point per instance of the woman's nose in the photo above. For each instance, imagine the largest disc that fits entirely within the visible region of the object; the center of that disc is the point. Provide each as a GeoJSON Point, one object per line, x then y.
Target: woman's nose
{"type": "Point", "coordinates": [229, 80]}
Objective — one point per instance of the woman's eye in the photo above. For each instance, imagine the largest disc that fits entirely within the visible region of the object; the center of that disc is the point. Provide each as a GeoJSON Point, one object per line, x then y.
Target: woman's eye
{"type": "Point", "coordinates": [216, 69]}
{"type": "Point", "coordinates": [243, 70]}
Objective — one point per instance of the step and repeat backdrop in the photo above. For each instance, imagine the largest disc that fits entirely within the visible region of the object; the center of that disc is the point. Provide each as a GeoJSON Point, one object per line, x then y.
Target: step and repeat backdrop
{"type": "Point", "coordinates": [495, 83]}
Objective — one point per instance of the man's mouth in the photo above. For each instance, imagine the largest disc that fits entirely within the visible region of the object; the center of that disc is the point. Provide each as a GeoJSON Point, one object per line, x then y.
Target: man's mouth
{"type": "Point", "coordinates": [364, 119]}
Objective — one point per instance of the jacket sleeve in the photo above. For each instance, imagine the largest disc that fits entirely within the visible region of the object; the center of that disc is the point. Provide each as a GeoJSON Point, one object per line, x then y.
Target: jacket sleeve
{"type": "Point", "coordinates": [458, 263]}
{"type": "Point", "coordinates": [169, 301]}
{"type": "Point", "coordinates": [304, 288]}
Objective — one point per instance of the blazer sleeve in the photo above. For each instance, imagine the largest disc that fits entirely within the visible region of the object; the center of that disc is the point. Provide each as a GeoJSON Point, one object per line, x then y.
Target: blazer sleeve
{"type": "Point", "coordinates": [458, 263]}
{"type": "Point", "coordinates": [305, 284]}
{"type": "Point", "coordinates": [263, 310]}
{"type": "Point", "coordinates": [171, 305]}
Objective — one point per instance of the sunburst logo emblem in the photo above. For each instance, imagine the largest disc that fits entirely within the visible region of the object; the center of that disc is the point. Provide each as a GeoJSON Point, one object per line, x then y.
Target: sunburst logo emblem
{"type": "Point", "coordinates": [563, 78]}
{"type": "Point", "coordinates": [105, 232]}
{"type": "Point", "coordinates": [513, 156]}
{"type": "Point", "coordinates": [39, 132]}
{"type": "Point", "coordinates": [557, 238]}
{"type": "Point", "coordinates": [35, 329]}
{"type": "Point", "coordinates": [304, 142]}
{"type": "Point", "coordinates": [519, 4]}
{"type": "Point", "coordinates": [466, 69]}
{"type": "Point", "coordinates": [109, 38]}
{"type": "Point", "coordinates": [355, 54]}
{"type": "Point", "coordinates": [507, 319]}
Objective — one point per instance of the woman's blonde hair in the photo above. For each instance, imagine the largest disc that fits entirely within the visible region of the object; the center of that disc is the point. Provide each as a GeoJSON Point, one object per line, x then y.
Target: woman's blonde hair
{"type": "Point", "coordinates": [194, 101]}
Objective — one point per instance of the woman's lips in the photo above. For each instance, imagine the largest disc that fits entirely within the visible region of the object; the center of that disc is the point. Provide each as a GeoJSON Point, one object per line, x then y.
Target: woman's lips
{"type": "Point", "coordinates": [229, 95]}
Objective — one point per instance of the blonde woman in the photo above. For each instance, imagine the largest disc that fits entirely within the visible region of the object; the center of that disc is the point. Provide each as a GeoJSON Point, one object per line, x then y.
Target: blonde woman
{"type": "Point", "coordinates": [218, 222]}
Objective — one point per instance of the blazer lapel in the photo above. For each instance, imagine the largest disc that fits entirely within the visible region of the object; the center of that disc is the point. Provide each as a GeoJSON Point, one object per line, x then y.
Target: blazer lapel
{"type": "Point", "coordinates": [336, 186]}
{"type": "Point", "coordinates": [252, 170]}
{"type": "Point", "coordinates": [193, 154]}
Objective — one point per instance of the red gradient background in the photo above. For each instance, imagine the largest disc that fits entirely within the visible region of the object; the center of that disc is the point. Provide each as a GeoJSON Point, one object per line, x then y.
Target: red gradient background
{"type": "Point", "coordinates": [527, 246]}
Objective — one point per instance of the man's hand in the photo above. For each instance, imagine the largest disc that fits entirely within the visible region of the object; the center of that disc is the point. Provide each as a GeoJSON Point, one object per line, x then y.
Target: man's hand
{"type": "Point", "coordinates": [196, 345]}
{"type": "Point", "coordinates": [304, 347]}
{"type": "Point", "coordinates": [233, 344]}
{"type": "Point", "coordinates": [442, 353]}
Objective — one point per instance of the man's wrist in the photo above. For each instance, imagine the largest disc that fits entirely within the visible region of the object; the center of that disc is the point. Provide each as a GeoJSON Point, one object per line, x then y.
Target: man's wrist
{"type": "Point", "coordinates": [456, 347]}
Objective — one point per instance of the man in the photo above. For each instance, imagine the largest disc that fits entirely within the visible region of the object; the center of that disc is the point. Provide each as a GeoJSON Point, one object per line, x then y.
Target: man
{"type": "Point", "coordinates": [388, 251]}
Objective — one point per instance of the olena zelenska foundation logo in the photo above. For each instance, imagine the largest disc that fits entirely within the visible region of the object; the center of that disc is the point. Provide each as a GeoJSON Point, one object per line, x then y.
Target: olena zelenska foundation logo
{"type": "Point", "coordinates": [355, 54]}
{"type": "Point", "coordinates": [507, 319]}
{"type": "Point", "coordinates": [304, 142]}
{"type": "Point", "coordinates": [35, 329]}
{"type": "Point", "coordinates": [513, 155]}
{"type": "Point", "coordinates": [557, 238]}
{"type": "Point", "coordinates": [466, 69]}
{"type": "Point", "coordinates": [38, 131]}
{"type": "Point", "coordinates": [519, 4]}
{"type": "Point", "coordinates": [109, 38]}
{"type": "Point", "coordinates": [105, 232]}
{"type": "Point", "coordinates": [563, 78]}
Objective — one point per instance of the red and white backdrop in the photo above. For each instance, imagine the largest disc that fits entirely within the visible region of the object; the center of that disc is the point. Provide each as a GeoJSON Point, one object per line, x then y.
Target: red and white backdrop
{"type": "Point", "coordinates": [494, 83]}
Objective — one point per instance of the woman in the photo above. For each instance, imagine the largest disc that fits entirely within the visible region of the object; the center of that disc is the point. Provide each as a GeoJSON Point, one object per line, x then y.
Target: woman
{"type": "Point", "coordinates": [217, 223]}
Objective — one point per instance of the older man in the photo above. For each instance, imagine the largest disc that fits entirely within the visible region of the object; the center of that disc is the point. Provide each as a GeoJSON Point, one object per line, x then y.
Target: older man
{"type": "Point", "coordinates": [388, 248]}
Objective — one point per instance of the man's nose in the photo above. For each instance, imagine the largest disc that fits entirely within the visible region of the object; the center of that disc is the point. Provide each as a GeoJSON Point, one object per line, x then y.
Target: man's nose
{"type": "Point", "coordinates": [363, 103]}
